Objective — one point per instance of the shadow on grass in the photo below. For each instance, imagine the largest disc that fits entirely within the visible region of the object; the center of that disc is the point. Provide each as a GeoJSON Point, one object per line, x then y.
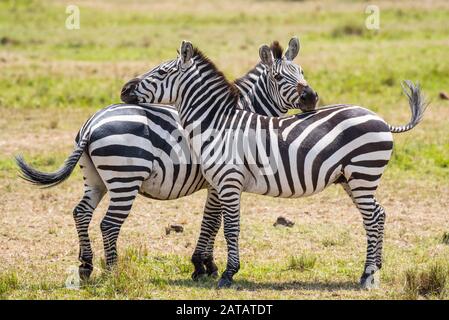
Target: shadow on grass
{"type": "Point", "coordinates": [277, 286]}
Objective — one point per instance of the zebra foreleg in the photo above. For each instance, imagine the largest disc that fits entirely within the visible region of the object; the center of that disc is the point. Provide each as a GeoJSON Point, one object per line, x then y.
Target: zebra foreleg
{"type": "Point", "coordinates": [203, 254]}
{"type": "Point", "coordinates": [211, 267]}
{"type": "Point", "coordinates": [230, 202]}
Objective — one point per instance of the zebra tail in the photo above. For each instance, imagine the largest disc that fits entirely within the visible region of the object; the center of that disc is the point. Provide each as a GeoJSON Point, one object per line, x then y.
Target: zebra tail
{"type": "Point", "coordinates": [51, 179]}
{"type": "Point", "coordinates": [417, 104]}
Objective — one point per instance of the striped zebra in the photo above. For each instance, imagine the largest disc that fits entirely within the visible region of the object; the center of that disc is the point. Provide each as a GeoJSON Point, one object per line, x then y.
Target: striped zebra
{"type": "Point", "coordinates": [287, 157]}
{"type": "Point", "coordinates": [126, 149]}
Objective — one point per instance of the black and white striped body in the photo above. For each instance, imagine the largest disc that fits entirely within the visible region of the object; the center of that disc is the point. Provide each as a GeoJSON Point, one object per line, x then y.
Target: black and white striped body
{"type": "Point", "coordinates": [300, 155]}
{"type": "Point", "coordinates": [283, 157]}
{"type": "Point", "coordinates": [131, 149]}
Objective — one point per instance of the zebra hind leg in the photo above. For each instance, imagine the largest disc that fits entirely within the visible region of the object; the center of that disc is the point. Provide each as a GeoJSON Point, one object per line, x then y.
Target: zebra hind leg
{"type": "Point", "coordinates": [202, 257]}
{"type": "Point", "coordinates": [94, 190]}
{"type": "Point", "coordinates": [361, 193]}
{"type": "Point", "coordinates": [381, 223]}
{"type": "Point", "coordinates": [121, 200]}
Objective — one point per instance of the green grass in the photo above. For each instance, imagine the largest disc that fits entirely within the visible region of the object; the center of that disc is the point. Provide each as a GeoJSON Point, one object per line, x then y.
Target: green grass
{"type": "Point", "coordinates": [302, 263]}
{"type": "Point", "coordinates": [8, 282]}
{"type": "Point", "coordinates": [429, 282]}
{"type": "Point", "coordinates": [53, 79]}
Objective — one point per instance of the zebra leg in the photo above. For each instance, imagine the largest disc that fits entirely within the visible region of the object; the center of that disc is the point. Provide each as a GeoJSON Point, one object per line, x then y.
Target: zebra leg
{"type": "Point", "coordinates": [361, 192]}
{"type": "Point", "coordinates": [230, 204]}
{"type": "Point", "coordinates": [94, 190]}
{"type": "Point", "coordinates": [380, 240]}
{"type": "Point", "coordinates": [119, 207]}
{"type": "Point", "coordinates": [203, 254]}
{"type": "Point", "coordinates": [211, 267]}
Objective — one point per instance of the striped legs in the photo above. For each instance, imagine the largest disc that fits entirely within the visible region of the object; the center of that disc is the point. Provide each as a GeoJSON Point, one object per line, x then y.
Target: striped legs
{"type": "Point", "coordinates": [362, 194]}
{"type": "Point", "coordinates": [380, 240]}
{"type": "Point", "coordinates": [94, 190]}
{"type": "Point", "coordinates": [121, 200]}
{"type": "Point", "coordinates": [118, 211]}
{"type": "Point", "coordinates": [83, 215]}
{"type": "Point", "coordinates": [203, 254]}
{"type": "Point", "coordinates": [229, 197]}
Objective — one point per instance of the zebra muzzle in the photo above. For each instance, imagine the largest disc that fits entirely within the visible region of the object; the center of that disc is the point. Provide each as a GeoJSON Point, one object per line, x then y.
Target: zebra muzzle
{"type": "Point", "coordinates": [127, 94]}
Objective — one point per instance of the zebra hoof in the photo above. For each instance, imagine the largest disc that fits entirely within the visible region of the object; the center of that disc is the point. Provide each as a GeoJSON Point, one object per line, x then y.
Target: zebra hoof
{"type": "Point", "coordinates": [211, 269]}
{"type": "Point", "coordinates": [370, 281]}
{"type": "Point", "coordinates": [85, 272]}
{"type": "Point", "coordinates": [224, 282]}
{"type": "Point", "coordinates": [213, 274]}
{"type": "Point", "coordinates": [197, 275]}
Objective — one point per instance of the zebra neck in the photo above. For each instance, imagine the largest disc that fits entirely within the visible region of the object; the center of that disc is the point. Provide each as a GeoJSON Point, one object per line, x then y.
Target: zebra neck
{"type": "Point", "coordinates": [246, 83]}
{"type": "Point", "coordinates": [207, 106]}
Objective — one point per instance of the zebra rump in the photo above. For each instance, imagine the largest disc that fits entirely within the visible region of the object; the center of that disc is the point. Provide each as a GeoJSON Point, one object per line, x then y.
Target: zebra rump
{"type": "Point", "coordinates": [50, 179]}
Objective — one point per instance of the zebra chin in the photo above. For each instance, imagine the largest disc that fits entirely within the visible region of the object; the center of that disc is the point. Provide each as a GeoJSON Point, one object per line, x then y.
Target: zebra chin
{"type": "Point", "coordinates": [306, 107]}
{"type": "Point", "coordinates": [129, 98]}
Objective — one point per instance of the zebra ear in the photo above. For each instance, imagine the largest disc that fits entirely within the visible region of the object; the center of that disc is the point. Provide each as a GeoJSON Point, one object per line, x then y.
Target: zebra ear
{"type": "Point", "coordinates": [293, 49]}
{"type": "Point", "coordinates": [266, 56]}
{"type": "Point", "coordinates": [186, 51]}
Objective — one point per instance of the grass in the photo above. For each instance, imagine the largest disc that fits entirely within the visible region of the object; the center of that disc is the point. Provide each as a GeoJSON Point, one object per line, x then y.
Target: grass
{"type": "Point", "coordinates": [302, 263]}
{"type": "Point", "coordinates": [8, 282]}
{"type": "Point", "coordinates": [53, 79]}
{"type": "Point", "coordinates": [445, 238]}
{"type": "Point", "coordinates": [427, 283]}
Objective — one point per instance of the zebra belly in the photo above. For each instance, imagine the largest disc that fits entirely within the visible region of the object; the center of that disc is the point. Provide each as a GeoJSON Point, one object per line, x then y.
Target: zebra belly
{"type": "Point", "coordinates": [172, 183]}
{"type": "Point", "coordinates": [273, 186]}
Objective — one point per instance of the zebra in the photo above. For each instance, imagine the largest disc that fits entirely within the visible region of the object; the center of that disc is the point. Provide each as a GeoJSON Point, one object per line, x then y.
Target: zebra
{"type": "Point", "coordinates": [345, 144]}
{"type": "Point", "coordinates": [126, 149]}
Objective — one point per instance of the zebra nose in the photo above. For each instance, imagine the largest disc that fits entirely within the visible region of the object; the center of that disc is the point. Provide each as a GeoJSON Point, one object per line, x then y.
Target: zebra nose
{"type": "Point", "coordinates": [308, 98]}
{"type": "Point", "coordinates": [308, 94]}
{"type": "Point", "coordinates": [127, 95]}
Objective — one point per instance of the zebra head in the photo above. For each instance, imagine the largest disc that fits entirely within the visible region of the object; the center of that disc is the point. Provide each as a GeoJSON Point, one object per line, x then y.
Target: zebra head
{"type": "Point", "coordinates": [285, 79]}
{"type": "Point", "coordinates": [161, 84]}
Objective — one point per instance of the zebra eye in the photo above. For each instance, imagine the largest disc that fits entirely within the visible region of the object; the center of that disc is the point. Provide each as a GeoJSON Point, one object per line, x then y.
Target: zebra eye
{"type": "Point", "coordinates": [278, 76]}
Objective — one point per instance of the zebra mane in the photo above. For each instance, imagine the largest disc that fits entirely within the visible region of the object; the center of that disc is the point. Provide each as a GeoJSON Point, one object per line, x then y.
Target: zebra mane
{"type": "Point", "coordinates": [254, 71]}
{"type": "Point", "coordinates": [233, 90]}
{"type": "Point", "coordinates": [277, 50]}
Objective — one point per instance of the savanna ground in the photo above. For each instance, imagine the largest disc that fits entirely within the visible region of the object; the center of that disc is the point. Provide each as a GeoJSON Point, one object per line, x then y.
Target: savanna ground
{"type": "Point", "coordinates": [52, 79]}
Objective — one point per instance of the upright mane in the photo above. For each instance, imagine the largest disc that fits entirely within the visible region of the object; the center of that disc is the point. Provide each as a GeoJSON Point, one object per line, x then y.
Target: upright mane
{"type": "Point", "coordinates": [233, 90]}
{"type": "Point", "coordinates": [277, 50]}
{"type": "Point", "coordinates": [253, 71]}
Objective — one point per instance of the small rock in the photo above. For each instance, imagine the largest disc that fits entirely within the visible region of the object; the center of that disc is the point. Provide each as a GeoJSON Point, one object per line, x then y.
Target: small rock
{"type": "Point", "coordinates": [444, 95]}
{"type": "Point", "coordinates": [174, 227]}
{"type": "Point", "coordinates": [283, 222]}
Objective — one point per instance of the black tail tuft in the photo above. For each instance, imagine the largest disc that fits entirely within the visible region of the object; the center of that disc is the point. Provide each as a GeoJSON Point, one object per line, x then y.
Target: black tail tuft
{"type": "Point", "coordinates": [417, 104]}
{"type": "Point", "coordinates": [45, 179]}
